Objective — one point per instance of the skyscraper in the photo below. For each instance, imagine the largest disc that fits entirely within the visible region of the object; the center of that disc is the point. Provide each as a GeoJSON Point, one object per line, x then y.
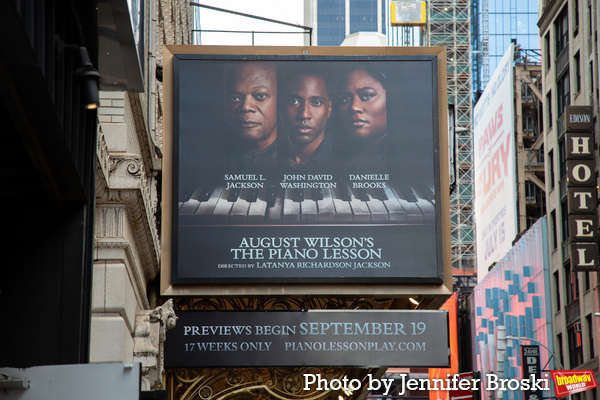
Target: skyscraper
{"type": "Point", "coordinates": [333, 20]}
{"type": "Point", "coordinates": [497, 23]}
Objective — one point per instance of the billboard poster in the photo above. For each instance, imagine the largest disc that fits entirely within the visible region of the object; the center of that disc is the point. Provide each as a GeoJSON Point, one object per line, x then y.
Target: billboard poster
{"type": "Point", "coordinates": [306, 169]}
{"type": "Point", "coordinates": [349, 338]}
{"type": "Point", "coordinates": [495, 171]}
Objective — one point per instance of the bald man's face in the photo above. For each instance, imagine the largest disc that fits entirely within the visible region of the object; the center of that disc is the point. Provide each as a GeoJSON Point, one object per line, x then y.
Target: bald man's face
{"type": "Point", "coordinates": [252, 103]}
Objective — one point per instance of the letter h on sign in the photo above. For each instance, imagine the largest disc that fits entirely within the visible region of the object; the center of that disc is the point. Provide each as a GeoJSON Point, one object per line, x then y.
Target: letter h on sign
{"type": "Point", "coordinates": [581, 186]}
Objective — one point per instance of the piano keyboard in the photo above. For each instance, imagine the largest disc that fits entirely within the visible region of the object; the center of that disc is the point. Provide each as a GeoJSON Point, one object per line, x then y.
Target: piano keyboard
{"type": "Point", "coordinates": [400, 204]}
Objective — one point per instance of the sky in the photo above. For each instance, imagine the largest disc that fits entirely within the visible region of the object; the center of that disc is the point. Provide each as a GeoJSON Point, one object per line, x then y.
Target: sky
{"type": "Point", "coordinates": [290, 11]}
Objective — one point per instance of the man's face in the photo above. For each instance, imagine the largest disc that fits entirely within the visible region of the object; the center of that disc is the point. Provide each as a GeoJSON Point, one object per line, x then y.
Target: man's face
{"type": "Point", "coordinates": [252, 102]}
{"type": "Point", "coordinates": [305, 109]}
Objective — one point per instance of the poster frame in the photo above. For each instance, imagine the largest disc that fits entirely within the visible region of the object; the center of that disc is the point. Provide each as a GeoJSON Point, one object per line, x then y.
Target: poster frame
{"type": "Point", "coordinates": [442, 288]}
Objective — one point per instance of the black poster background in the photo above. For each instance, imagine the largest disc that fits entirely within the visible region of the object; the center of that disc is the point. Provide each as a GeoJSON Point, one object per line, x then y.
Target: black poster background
{"type": "Point", "coordinates": [382, 252]}
{"type": "Point", "coordinates": [350, 338]}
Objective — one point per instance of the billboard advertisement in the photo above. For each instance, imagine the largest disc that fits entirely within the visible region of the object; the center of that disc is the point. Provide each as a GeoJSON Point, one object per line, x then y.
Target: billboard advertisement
{"type": "Point", "coordinates": [513, 300]}
{"type": "Point", "coordinates": [495, 171]}
{"type": "Point", "coordinates": [305, 168]}
{"type": "Point", "coordinates": [308, 338]}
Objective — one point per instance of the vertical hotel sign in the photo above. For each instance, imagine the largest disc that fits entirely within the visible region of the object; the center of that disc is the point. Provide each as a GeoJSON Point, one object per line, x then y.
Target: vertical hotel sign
{"type": "Point", "coordinates": [581, 187]}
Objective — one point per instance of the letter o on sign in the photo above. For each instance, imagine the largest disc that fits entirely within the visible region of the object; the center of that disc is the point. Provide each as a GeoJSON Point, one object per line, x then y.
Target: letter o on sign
{"type": "Point", "coordinates": [581, 173]}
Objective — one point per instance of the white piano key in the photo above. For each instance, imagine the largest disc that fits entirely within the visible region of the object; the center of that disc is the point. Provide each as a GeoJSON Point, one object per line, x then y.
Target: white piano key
{"type": "Point", "coordinates": [308, 208]}
{"type": "Point", "coordinates": [378, 211]}
{"type": "Point", "coordinates": [189, 207]}
{"type": "Point", "coordinates": [413, 213]}
{"type": "Point", "coordinates": [291, 209]}
{"type": "Point", "coordinates": [222, 208]}
{"type": "Point", "coordinates": [343, 211]}
{"type": "Point", "coordinates": [325, 207]}
{"type": "Point", "coordinates": [426, 207]}
{"type": "Point", "coordinates": [359, 208]}
{"type": "Point", "coordinates": [206, 208]}
{"type": "Point", "coordinates": [239, 210]}
{"type": "Point", "coordinates": [395, 210]}
{"type": "Point", "coordinates": [274, 213]}
{"type": "Point", "coordinates": [258, 208]}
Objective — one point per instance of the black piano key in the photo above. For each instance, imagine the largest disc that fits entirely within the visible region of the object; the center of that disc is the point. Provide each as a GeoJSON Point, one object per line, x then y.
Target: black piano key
{"type": "Point", "coordinates": [298, 195]}
{"type": "Point", "coordinates": [206, 192]}
{"type": "Point", "coordinates": [183, 197]}
{"type": "Point", "coordinates": [345, 192]}
{"type": "Point", "coordinates": [407, 193]}
{"type": "Point", "coordinates": [317, 194]}
{"type": "Point", "coordinates": [233, 195]}
{"type": "Point", "coordinates": [380, 194]}
{"type": "Point", "coordinates": [270, 196]}
{"type": "Point", "coordinates": [362, 194]}
{"type": "Point", "coordinates": [425, 191]}
{"type": "Point", "coordinates": [252, 195]}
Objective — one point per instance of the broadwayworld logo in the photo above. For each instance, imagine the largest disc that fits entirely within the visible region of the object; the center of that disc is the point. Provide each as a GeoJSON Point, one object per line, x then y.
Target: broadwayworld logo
{"type": "Point", "coordinates": [569, 382]}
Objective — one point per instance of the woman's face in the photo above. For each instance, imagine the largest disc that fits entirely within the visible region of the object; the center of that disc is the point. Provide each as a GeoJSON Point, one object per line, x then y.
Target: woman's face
{"type": "Point", "coordinates": [362, 105]}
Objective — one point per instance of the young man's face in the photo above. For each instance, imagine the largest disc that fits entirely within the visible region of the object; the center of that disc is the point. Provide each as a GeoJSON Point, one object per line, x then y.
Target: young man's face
{"type": "Point", "coordinates": [305, 108]}
{"type": "Point", "coordinates": [252, 102]}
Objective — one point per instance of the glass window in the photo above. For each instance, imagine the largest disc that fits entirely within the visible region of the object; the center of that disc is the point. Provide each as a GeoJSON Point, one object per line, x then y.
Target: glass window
{"type": "Point", "coordinates": [557, 289]}
{"type": "Point", "coordinates": [575, 345]}
{"type": "Point", "coordinates": [561, 27]}
{"type": "Point", "coordinates": [549, 110]}
{"type": "Point", "coordinates": [590, 335]}
{"type": "Point", "coordinates": [575, 17]}
{"type": "Point", "coordinates": [577, 73]}
{"type": "Point", "coordinates": [563, 93]}
{"type": "Point", "coordinates": [551, 168]}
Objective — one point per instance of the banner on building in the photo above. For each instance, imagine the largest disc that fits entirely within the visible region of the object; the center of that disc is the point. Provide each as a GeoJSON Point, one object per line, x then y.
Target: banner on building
{"type": "Point", "coordinates": [305, 168]}
{"type": "Point", "coordinates": [569, 382]}
{"type": "Point", "coordinates": [308, 338]}
{"type": "Point", "coordinates": [494, 161]}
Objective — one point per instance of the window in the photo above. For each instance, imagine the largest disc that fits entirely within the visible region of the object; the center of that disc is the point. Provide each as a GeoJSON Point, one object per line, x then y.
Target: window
{"type": "Point", "coordinates": [561, 27]}
{"type": "Point", "coordinates": [575, 345]}
{"type": "Point", "coordinates": [571, 284]}
{"type": "Point", "coordinates": [557, 290]}
{"type": "Point", "coordinates": [560, 350]}
{"type": "Point", "coordinates": [563, 94]}
{"type": "Point", "coordinates": [590, 334]}
{"type": "Point", "coordinates": [551, 168]}
{"type": "Point", "coordinates": [591, 78]}
{"type": "Point", "coordinates": [586, 281]}
{"type": "Point", "coordinates": [549, 105]}
{"type": "Point", "coordinates": [562, 158]}
{"type": "Point", "coordinates": [575, 17]}
{"type": "Point", "coordinates": [548, 57]}
{"type": "Point", "coordinates": [577, 73]}
{"type": "Point", "coordinates": [564, 212]}
{"type": "Point", "coordinates": [553, 242]}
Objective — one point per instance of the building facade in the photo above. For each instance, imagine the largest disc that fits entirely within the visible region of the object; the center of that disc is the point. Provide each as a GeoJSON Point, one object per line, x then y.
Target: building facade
{"type": "Point", "coordinates": [128, 320]}
{"type": "Point", "coordinates": [568, 30]}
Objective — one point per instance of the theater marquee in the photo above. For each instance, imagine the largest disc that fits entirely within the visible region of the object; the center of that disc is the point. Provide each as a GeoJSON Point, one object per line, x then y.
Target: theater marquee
{"type": "Point", "coordinates": [305, 166]}
{"type": "Point", "coordinates": [308, 338]}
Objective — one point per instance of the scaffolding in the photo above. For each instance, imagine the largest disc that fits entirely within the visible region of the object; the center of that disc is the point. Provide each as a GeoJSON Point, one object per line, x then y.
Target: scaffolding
{"type": "Point", "coordinates": [449, 25]}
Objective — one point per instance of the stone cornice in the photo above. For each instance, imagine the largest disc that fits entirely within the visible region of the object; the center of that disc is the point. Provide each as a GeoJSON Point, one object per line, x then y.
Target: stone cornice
{"type": "Point", "coordinates": [548, 13]}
